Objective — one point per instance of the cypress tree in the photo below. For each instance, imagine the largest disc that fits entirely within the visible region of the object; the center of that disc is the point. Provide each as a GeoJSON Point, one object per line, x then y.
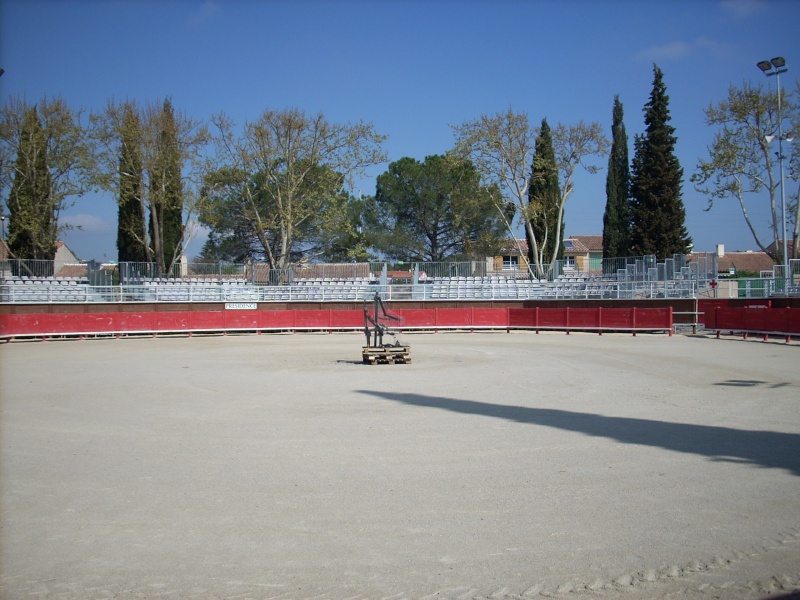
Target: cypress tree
{"type": "Point", "coordinates": [657, 211]}
{"type": "Point", "coordinates": [166, 212]}
{"type": "Point", "coordinates": [544, 197]}
{"type": "Point", "coordinates": [131, 234]}
{"type": "Point", "coordinates": [616, 219]}
{"type": "Point", "coordinates": [33, 222]}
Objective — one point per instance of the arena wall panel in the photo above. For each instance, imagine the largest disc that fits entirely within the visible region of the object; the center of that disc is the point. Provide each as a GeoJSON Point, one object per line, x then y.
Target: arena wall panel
{"type": "Point", "coordinates": [417, 318]}
{"type": "Point", "coordinates": [454, 318]}
{"type": "Point", "coordinates": [584, 318]}
{"type": "Point", "coordinates": [755, 319]}
{"type": "Point", "coordinates": [171, 321]}
{"type": "Point", "coordinates": [489, 317]}
{"type": "Point", "coordinates": [240, 319]}
{"type": "Point", "coordinates": [618, 318]}
{"type": "Point", "coordinates": [208, 320]}
{"type": "Point", "coordinates": [278, 320]}
{"type": "Point", "coordinates": [313, 319]}
{"type": "Point", "coordinates": [120, 320]}
{"type": "Point", "coordinates": [347, 319]}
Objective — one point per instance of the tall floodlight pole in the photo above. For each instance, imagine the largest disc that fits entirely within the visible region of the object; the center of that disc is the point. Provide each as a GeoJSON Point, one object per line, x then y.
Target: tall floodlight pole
{"type": "Point", "coordinates": [776, 66]}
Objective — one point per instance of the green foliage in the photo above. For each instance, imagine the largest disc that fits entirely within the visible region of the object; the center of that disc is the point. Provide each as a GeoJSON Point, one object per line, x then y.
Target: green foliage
{"type": "Point", "coordinates": [131, 223]}
{"type": "Point", "coordinates": [436, 210]}
{"type": "Point", "coordinates": [152, 159]}
{"type": "Point", "coordinates": [281, 180]}
{"type": "Point", "coordinates": [616, 218]}
{"type": "Point", "coordinates": [166, 212]}
{"type": "Point", "coordinates": [31, 233]}
{"type": "Point", "coordinates": [544, 201]}
{"type": "Point", "coordinates": [51, 163]}
{"type": "Point", "coordinates": [244, 215]}
{"type": "Point", "coordinates": [657, 210]}
{"type": "Point", "coordinates": [350, 231]}
{"type": "Point", "coordinates": [501, 147]}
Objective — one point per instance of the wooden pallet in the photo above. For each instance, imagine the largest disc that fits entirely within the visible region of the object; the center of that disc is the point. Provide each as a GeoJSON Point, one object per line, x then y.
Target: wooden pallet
{"type": "Point", "coordinates": [386, 355]}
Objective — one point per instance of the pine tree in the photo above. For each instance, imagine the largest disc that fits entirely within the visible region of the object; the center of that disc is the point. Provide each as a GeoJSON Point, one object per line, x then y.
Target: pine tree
{"type": "Point", "coordinates": [166, 210]}
{"type": "Point", "coordinates": [544, 198]}
{"type": "Point", "coordinates": [33, 224]}
{"type": "Point", "coordinates": [616, 219]}
{"type": "Point", "coordinates": [657, 211]}
{"type": "Point", "coordinates": [131, 233]}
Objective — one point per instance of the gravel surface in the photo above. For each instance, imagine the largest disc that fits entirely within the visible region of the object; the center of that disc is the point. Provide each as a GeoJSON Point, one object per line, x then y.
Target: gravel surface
{"type": "Point", "coordinates": [495, 465]}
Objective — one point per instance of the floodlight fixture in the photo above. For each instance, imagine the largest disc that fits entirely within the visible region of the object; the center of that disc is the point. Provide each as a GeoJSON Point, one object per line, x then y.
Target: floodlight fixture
{"type": "Point", "coordinates": [776, 66]}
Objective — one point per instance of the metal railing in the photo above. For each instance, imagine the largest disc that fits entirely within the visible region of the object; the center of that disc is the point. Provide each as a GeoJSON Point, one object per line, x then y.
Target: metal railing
{"type": "Point", "coordinates": [634, 278]}
{"type": "Point", "coordinates": [13, 267]}
{"type": "Point", "coordinates": [443, 291]}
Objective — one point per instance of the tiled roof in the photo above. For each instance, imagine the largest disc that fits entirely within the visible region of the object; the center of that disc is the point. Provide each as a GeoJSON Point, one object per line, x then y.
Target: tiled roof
{"type": "Point", "coordinates": [746, 261]}
{"type": "Point", "coordinates": [73, 270]}
{"type": "Point", "coordinates": [586, 243]}
{"type": "Point", "coordinates": [513, 247]}
{"type": "Point", "coordinates": [754, 262]}
{"type": "Point", "coordinates": [579, 244]}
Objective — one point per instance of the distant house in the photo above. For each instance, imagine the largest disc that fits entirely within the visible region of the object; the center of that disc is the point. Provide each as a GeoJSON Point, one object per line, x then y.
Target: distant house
{"type": "Point", "coordinates": [730, 264]}
{"type": "Point", "coordinates": [66, 264]}
{"type": "Point", "coordinates": [583, 253]}
{"type": "Point", "coordinates": [512, 256]}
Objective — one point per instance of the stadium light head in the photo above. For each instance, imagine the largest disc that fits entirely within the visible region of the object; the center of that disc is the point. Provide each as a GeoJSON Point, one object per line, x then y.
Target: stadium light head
{"type": "Point", "coordinates": [776, 66]}
{"type": "Point", "coordinates": [778, 62]}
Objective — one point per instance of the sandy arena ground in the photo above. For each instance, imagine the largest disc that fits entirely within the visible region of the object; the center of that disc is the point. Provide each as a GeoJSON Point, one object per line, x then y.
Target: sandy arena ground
{"type": "Point", "coordinates": [494, 466]}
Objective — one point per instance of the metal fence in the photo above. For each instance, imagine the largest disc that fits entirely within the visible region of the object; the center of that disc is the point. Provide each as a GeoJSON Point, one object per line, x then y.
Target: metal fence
{"type": "Point", "coordinates": [328, 292]}
{"type": "Point", "coordinates": [628, 278]}
{"type": "Point", "coordinates": [12, 267]}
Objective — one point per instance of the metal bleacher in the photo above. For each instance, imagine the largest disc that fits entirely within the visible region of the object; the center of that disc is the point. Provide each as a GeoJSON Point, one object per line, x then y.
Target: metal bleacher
{"type": "Point", "coordinates": [636, 278]}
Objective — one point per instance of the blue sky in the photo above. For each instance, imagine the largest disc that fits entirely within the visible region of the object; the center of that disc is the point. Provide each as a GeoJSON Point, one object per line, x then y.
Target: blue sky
{"type": "Point", "coordinates": [411, 67]}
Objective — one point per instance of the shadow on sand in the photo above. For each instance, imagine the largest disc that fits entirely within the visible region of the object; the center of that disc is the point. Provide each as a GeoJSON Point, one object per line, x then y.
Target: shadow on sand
{"type": "Point", "coordinates": [767, 449]}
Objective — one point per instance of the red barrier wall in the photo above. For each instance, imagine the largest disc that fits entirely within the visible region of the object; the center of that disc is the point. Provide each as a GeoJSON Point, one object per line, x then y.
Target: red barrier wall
{"type": "Point", "coordinates": [175, 319]}
{"type": "Point", "coordinates": [756, 320]}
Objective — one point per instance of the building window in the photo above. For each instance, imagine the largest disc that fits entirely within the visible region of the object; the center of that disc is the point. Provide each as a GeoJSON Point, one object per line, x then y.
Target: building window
{"type": "Point", "coordinates": [510, 263]}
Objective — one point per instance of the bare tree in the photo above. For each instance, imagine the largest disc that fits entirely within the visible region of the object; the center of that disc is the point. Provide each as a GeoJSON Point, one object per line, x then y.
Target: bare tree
{"type": "Point", "coordinates": [112, 129]}
{"type": "Point", "coordinates": [501, 146]}
{"type": "Point", "coordinates": [282, 170]}
{"type": "Point", "coordinates": [742, 159]}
